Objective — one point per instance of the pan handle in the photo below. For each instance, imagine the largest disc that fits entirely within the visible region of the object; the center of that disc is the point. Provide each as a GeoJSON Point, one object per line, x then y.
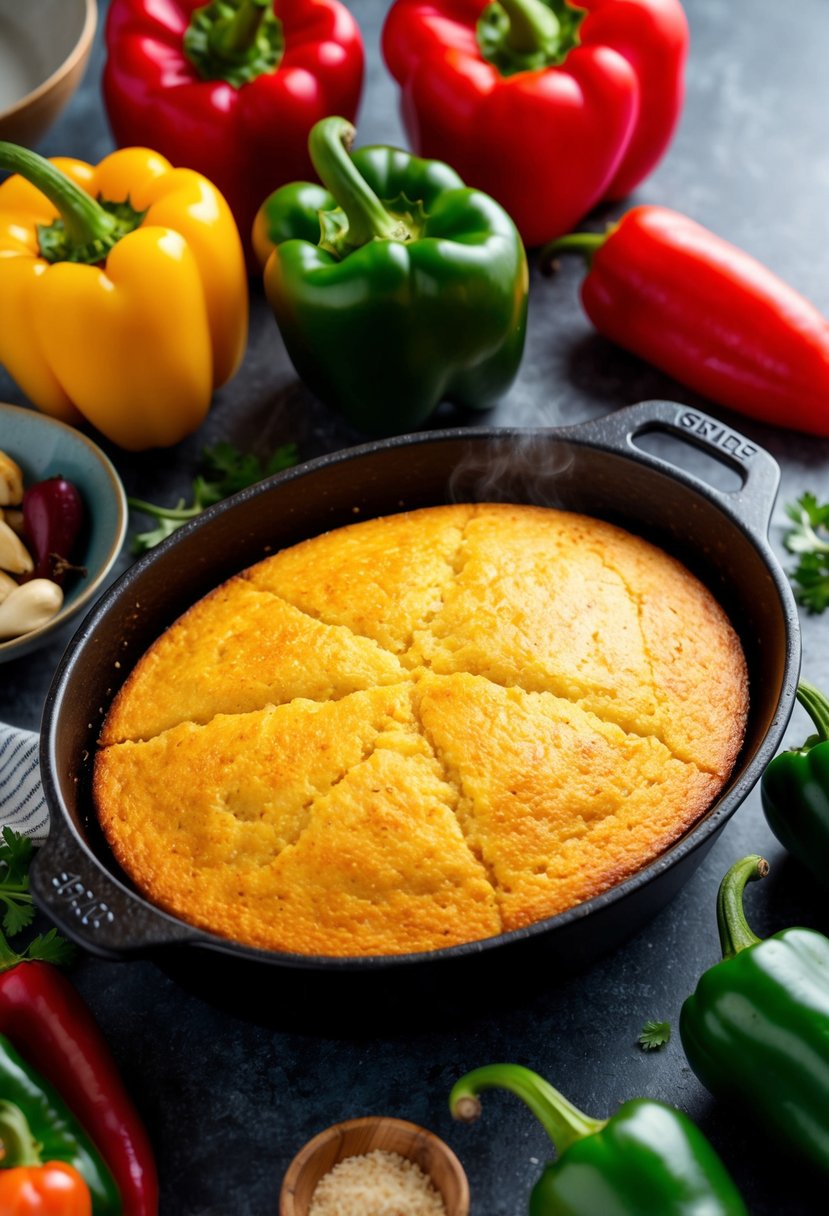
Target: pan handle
{"type": "Point", "coordinates": [92, 908]}
{"type": "Point", "coordinates": [759, 473]}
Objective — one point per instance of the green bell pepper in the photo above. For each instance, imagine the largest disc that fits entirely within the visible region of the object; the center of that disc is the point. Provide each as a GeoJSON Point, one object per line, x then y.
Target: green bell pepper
{"type": "Point", "coordinates": [36, 1126]}
{"type": "Point", "coordinates": [795, 790]}
{"type": "Point", "coordinates": [756, 1030]}
{"type": "Point", "coordinates": [395, 287]}
{"type": "Point", "coordinates": [647, 1159]}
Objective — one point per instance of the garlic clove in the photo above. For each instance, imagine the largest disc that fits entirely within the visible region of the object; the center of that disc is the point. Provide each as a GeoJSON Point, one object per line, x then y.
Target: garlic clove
{"type": "Point", "coordinates": [14, 556]}
{"type": "Point", "coordinates": [11, 481]}
{"type": "Point", "coordinates": [29, 606]}
{"type": "Point", "coordinates": [7, 585]}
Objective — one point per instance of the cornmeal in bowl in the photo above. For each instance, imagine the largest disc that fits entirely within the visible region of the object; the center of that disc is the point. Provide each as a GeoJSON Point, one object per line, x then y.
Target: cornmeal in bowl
{"type": "Point", "coordinates": [420, 730]}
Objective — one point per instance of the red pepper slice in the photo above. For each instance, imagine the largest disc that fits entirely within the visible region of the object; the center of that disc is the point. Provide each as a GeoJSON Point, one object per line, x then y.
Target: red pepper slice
{"type": "Point", "coordinates": [708, 314]}
{"type": "Point", "coordinates": [576, 104]}
{"type": "Point", "coordinates": [236, 114]}
{"type": "Point", "coordinates": [46, 1019]}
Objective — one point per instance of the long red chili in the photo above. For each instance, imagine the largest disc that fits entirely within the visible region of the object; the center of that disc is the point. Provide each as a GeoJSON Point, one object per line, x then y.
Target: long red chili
{"type": "Point", "coordinates": [708, 314]}
{"type": "Point", "coordinates": [46, 1019]}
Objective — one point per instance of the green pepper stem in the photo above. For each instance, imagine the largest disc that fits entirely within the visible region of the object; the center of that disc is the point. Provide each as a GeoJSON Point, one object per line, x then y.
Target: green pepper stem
{"type": "Point", "coordinates": [816, 706]}
{"type": "Point", "coordinates": [735, 934]}
{"type": "Point", "coordinates": [86, 223]}
{"type": "Point", "coordinates": [237, 34]}
{"type": "Point", "coordinates": [329, 144]}
{"type": "Point", "coordinates": [562, 1121]}
{"type": "Point", "coordinates": [17, 1143]}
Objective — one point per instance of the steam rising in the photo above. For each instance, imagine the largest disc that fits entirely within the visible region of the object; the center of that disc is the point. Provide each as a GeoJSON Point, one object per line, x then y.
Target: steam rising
{"type": "Point", "coordinates": [520, 466]}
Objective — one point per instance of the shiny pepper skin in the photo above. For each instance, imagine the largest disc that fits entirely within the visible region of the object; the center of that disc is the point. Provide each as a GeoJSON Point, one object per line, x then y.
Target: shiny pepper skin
{"type": "Point", "coordinates": [54, 1189]}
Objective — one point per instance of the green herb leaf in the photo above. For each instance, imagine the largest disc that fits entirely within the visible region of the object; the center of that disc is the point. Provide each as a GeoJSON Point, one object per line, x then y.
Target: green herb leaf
{"type": "Point", "coordinates": [225, 471]}
{"type": "Point", "coordinates": [16, 852]}
{"type": "Point", "coordinates": [809, 540]}
{"type": "Point", "coordinates": [15, 855]}
{"type": "Point", "coordinates": [654, 1035]}
{"type": "Point", "coordinates": [50, 947]}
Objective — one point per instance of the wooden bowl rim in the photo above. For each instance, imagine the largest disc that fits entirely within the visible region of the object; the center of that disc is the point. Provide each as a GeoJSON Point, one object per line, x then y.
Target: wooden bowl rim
{"type": "Point", "coordinates": [305, 1155]}
{"type": "Point", "coordinates": [81, 48]}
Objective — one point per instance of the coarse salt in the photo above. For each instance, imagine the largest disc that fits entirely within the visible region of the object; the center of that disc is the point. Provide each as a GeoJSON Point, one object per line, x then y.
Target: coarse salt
{"type": "Point", "coordinates": [376, 1184]}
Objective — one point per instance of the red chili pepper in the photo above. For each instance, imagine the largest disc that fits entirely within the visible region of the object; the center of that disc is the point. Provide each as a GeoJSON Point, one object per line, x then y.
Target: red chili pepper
{"type": "Point", "coordinates": [54, 1189]}
{"type": "Point", "coordinates": [547, 107]}
{"type": "Point", "coordinates": [232, 96]}
{"type": "Point", "coordinates": [708, 314]}
{"type": "Point", "coordinates": [46, 1019]}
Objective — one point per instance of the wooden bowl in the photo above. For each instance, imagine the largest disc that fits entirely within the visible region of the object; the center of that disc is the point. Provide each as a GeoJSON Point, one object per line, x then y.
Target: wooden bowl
{"type": "Point", "coordinates": [359, 1136]}
{"type": "Point", "coordinates": [44, 49]}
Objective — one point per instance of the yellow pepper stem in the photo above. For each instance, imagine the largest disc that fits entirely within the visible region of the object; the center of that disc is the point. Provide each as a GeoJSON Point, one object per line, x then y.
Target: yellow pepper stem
{"type": "Point", "coordinates": [86, 231]}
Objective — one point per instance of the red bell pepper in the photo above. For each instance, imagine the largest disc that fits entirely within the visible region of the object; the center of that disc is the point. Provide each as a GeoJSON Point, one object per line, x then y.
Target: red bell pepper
{"type": "Point", "coordinates": [229, 88]}
{"type": "Point", "coordinates": [46, 1019]}
{"type": "Point", "coordinates": [547, 107]}
{"type": "Point", "coordinates": [708, 314]}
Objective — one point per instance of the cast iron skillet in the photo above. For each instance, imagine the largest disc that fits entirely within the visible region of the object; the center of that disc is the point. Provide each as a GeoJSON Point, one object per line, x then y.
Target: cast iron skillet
{"type": "Point", "coordinates": [598, 468]}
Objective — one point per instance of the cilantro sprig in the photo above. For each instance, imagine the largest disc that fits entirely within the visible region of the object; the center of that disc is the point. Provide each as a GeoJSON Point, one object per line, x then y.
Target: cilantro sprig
{"type": "Point", "coordinates": [809, 541]}
{"type": "Point", "coordinates": [654, 1035]}
{"type": "Point", "coordinates": [224, 471]}
{"type": "Point", "coordinates": [18, 909]}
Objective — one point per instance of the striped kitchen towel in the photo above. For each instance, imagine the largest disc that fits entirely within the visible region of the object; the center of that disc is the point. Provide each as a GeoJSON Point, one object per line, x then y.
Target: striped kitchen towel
{"type": "Point", "coordinates": [22, 804]}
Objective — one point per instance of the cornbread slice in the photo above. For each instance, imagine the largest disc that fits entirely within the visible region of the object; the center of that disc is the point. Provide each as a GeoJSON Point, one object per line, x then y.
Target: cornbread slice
{"type": "Point", "coordinates": [239, 649]}
{"type": "Point", "coordinates": [326, 826]}
{"type": "Point", "coordinates": [399, 566]}
{"type": "Point", "coordinates": [558, 804]}
{"type": "Point", "coordinates": [421, 730]}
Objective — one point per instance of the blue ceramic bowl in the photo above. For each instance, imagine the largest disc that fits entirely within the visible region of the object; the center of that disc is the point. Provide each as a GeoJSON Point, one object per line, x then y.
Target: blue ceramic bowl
{"type": "Point", "coordinates": [44, 447]}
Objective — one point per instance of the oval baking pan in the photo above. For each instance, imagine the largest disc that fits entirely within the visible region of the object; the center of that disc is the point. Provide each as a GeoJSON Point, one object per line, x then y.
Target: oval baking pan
{"type": "Point", "coordinates": [604, 468]}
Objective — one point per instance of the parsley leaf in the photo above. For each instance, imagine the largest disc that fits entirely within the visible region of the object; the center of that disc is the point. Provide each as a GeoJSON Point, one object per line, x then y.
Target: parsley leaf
{"type": "Point", "coordinates": [654, 1035]}
{"type": "Point", "coordinates": [809, 541]}
{"type": "Point", "coordinates": [17, 908]}
{"type": "Point", "coordinates": [50, 947]}
{"type": "Point", "coordinates": [224, 471]}
{"type": "Point", "coordinates": [15, 900]}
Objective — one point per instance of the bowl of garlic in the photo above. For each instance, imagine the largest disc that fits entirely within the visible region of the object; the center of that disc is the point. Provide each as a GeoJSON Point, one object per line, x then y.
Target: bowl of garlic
{"type": "Point", "coordinates": [63, 518]}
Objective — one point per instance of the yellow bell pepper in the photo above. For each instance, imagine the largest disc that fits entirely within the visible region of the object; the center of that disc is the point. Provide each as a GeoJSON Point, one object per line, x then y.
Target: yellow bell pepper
{"type": "Point", "coordinates": [123, 292]}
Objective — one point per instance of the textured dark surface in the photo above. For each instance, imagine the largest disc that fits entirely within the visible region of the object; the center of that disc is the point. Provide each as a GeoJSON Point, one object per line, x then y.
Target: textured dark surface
{"type": "Point", "coordinates": [229, 1097]}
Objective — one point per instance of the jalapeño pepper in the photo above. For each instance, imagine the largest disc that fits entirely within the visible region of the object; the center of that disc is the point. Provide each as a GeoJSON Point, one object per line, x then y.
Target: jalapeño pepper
{"type": "Point", "coordinates": [648, 1159]}
{"type": "Point", "coordinates": [756, 1030]}
{"type": "Point", "coordinates": [795, 790]}
{"type": "Point", "coordinates": [395, 287]}
{"type": "Point", "coordinates": [37, 1128]}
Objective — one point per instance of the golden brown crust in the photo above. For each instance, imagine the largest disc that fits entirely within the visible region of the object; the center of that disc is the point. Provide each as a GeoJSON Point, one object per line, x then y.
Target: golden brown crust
{"type": "Point", "coordinates": [421, 730]}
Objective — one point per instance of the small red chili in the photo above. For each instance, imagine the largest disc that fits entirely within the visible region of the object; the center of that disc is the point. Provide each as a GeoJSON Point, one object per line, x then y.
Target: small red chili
{"type": "Point", "coordinates": [708, 314]}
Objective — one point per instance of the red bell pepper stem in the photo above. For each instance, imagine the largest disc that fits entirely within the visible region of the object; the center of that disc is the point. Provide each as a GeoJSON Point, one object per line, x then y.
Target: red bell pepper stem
{"type": "Point", "coordinates": [584, 243]}
{"type": "Point", "coordinates": [46, 1019]}
{"type": "Point", "coordinates": [533, 26]}
{"type": "Point", "coordinates": [735, 934]}
{"type": "Point", "coordinates": [231, 38]}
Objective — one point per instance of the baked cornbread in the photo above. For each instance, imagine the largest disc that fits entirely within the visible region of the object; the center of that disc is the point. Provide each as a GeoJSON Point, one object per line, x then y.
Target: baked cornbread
{"type": "Point", "coordinates": [421, 730]}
